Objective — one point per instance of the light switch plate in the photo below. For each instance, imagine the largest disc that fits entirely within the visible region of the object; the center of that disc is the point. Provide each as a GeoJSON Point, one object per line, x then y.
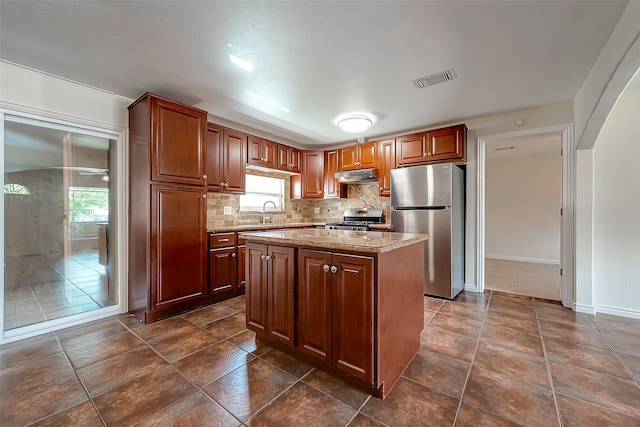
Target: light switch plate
{"type": "Point", "coordinates": [227, 210]}
{"type": "Point", "coordinates": [316, 210]}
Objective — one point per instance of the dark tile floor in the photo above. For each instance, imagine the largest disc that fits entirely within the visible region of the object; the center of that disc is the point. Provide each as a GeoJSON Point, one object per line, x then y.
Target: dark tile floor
{"type": "Point", "coordinates": [485, 360]}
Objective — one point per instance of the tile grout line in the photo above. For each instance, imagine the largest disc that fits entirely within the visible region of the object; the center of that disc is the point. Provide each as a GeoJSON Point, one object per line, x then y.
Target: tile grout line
{"type": "Point", "coordinates": [547, 364]}
{"type": "Point", "coordinates": [473, 359]}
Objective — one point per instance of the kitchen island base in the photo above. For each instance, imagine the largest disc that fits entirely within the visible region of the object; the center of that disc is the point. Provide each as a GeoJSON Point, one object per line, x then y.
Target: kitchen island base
{"type": "Point", "coordinates": [354, 310]}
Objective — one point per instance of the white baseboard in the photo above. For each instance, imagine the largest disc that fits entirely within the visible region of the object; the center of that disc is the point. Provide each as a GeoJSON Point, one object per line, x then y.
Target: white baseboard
{"type": "Point", "coordinates": [588, 309]}
{"type": "Point", "coordinates": [470, 288]}
{"type": "Point", "coordinates": [616, 311]}
{"type": "Point", "coordinates": [523, 259]}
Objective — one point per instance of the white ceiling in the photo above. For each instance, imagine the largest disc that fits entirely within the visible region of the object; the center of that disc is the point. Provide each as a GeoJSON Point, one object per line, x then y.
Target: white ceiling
{"type": "Point", "coordinates": [318, 59]}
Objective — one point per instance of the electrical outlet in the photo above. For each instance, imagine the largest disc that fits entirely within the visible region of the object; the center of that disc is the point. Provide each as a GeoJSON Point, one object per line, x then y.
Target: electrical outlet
{"type": "Point", "coordinates": [227, 210]}
{"type": "Point", "coordinates": [316, 210]}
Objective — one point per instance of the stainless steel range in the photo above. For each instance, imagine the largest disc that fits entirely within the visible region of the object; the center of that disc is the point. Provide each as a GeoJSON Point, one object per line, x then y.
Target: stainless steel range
{"type": "Point", "coordinates": [357, 219]}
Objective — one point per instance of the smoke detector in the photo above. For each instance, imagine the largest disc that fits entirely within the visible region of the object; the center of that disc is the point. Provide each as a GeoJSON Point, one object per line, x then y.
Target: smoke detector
{"type": "Point", "coordinates": [434, 79]}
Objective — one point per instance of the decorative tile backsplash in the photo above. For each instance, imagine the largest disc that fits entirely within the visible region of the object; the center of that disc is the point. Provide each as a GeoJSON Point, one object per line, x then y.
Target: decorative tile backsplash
{"type": "Point", "coordinates": [295, 210]}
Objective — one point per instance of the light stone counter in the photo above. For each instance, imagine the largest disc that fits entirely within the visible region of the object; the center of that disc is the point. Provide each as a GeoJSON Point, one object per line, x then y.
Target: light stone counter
{"type": "Point", "coordinates": [340, 240]}
{"type": "Point", "coordinates": [250, 227]}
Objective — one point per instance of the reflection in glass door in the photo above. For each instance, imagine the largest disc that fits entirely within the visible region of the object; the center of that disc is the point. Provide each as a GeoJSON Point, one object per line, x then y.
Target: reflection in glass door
{"type": "Point", "coordinates": [57, 216]}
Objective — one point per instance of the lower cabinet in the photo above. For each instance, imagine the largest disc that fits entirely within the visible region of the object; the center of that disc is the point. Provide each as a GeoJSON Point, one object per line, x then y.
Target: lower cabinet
{"type": "Point", "coordinates": [270, 274]}
{"type": "Point", "coordinates": [223, 263]}
{"type": "Point", "coordinates": [242, 250]}
{"type": "Point", "coordinates": [335, 310]}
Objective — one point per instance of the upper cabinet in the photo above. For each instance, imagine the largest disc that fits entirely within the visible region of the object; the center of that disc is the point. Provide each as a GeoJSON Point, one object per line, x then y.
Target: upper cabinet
{"type": "Point", "coordinates": [289, 158]}
{"type": "Point", "coordinates": [361, 156]}
{"type": "Point", "coordinates": [261, 152]}
{"type": "Point", "coordinates": [178, 142]}
{"type": "Point", "coordinates": [432, 146]}
{"type": "Point", "coordinates": [386, 162]}
{"type": "Point", "coordinates": [225, 159]}
{"type": "Point", "coordinates": [312, 174]}
{"type": "Point", "coordinates": [332, 187]}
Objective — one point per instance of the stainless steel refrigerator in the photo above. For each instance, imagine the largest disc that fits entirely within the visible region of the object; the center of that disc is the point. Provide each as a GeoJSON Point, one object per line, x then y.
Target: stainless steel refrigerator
{"type": "Point", "coordinates": [430, 200]}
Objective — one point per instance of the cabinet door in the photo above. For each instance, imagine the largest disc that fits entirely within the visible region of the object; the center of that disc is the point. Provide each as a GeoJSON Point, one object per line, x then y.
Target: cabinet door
{"type": "Point", "coordinates": [222, 270]}
{"type": "Point", "coordinates": [314, 304]}
{"type": "Point", "coordinates": [348, 158]}
{"type": "Point", "coordinates": [178, 245]}
{"type": "Point", "coordinates": [332, 187]}
{"type": "Point", "coordinates": [295, 157]}
{"type": "Point", "coordinates": [242, 250]}
{"type": "Point", "coordinates": [411, 149]}
{"type": "Point", "coordinates": [234, 161]}
{"type": "Point", "coordinates": [447, 143]}
{"type": "Point", "coordinates": [280, 292]}
{"type": "Point", "coordinates": [353, 315]}
{"type": "Point", "coordinates": [312, 174]}
{"type": "Point", "coordinates": [254, 152]}
{"type": "Point", "coordinates": [178, 135]}
{"type": "Point", "coordinates": [284, 157]}
{"type": "Point", "coordinates": [215, 152]}
{"type": "Point", "coordinates": [270, 150]}
{"type": "Point", "coordinates": [367, 155]}
{"type": "Point", "coordinates": [386, 162]}
{"type": "Point", "coordinates": [256, 287]}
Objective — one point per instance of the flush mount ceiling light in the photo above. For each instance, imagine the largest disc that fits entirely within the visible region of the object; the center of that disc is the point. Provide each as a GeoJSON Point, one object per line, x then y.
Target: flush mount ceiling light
{"type": "Point", "coordinates": [354, 123]}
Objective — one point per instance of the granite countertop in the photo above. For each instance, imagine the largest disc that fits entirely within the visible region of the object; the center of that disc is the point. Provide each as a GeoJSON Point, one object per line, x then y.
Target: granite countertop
{"type": "Point", "coordinates": [250, 227]}
{"type": "Point", "coordinates": [346, 240]}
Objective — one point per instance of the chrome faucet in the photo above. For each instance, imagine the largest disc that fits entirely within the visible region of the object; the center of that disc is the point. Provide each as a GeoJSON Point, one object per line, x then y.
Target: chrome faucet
{"type": "Point", "coordinates": [265, 218]}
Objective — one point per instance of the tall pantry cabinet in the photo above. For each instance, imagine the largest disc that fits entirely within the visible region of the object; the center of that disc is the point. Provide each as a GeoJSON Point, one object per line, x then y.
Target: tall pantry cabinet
{"type": "Point", "coordinates": [167, 207]}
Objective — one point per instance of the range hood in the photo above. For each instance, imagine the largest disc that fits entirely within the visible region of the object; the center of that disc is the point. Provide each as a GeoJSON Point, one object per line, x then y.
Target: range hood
{"type": "Point", "coordinates": [357, 176]}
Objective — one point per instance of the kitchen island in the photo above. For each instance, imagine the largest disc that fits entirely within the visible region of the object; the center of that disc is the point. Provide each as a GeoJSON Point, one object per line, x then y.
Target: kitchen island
{"type": "Point", "coordinates": [349, 302]}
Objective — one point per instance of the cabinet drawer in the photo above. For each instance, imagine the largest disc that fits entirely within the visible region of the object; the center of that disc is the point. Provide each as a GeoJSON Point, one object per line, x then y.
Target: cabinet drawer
{"type": "Point", "coordinates": [221, 240]}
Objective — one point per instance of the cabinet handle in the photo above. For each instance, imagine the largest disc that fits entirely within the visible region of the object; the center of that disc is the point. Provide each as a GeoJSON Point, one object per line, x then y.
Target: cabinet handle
{"type": "Point", "coordinates": [334, 269]}
{"type": "Point", "coordinates": [325, 268]}
{"type": "Point", "coordinates": [233, 255]}
{"type": "Point", "coordinates": [223, 240]}
{"type": "Point", "coordinates": [204, 176]}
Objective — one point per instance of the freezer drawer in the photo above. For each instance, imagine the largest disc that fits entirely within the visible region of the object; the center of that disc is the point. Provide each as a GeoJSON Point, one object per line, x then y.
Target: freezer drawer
{"type": "Point", "coordinates": [443, 269]}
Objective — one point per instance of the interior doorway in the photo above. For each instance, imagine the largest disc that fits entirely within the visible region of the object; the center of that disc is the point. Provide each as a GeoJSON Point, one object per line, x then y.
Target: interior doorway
{"type": "Point", "coordinates": [523, 201]}
{"type": "Point", "coordinates": [59, 206]}
{"type": "Point", "coordinates": [565, 133]}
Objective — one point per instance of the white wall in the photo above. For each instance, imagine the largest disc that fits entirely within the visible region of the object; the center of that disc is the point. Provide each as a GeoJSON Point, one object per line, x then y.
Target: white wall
{"type": "Point", "coordinates": [522, 207]}
{"type": "Point", "coordinates": [538, 117]}
{"type": "Point", "coordinates": [616, 249]}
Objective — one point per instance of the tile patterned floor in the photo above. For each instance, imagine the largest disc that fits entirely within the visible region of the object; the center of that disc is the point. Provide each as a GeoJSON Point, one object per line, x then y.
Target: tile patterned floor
{"type": "Point", "coordinates": [523, 278]}
{"type": "Point", "coordinates": [485, 360]}
{"type": "Point", "coordinates": [41, 288]}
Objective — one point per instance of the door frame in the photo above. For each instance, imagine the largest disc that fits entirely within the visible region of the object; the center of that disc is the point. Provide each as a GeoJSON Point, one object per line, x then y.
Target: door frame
{"type": "Point", "coordinates": [120, 229]}
{"type": "Point", "coordinates": [567, 233]}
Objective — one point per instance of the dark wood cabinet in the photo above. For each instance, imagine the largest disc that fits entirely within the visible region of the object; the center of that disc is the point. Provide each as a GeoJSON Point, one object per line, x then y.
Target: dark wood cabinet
{"type": "Point", "coordinates": [241, 256]}
{"type": "Point", "coordinates": [177, 222]}
{"type": "Point", "coordinates": [270, 273]}
{"type": "Point", "coordinates": [332, 187]}
{"type": "Point", "coordinates": [446, 144]}
{"type": "Point", "coordinates": [167, 208]}
{"type": "Point", "coordinates": [312, 174]}
{"type": "Point", "coordinates": [386, 163]}
{"type": "Point", "coordinates": [289, 159]}
{"type": "Point", "coordinates": [361, 156]}
{"type": "Point", "coordinates": [223, 263]}
{"type": "Point", "coordinates": [335, 310]}
{"type": "Point", "coordinates": [261, 152]}
{"type": "Point", "coordinates": [226, 159]}
{"type": "Point", "coordinates": [178, 144]}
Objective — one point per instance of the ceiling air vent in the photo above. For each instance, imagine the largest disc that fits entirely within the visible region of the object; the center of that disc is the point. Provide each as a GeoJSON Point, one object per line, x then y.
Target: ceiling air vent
{"type": "Point", "coordinates": [434, 79]}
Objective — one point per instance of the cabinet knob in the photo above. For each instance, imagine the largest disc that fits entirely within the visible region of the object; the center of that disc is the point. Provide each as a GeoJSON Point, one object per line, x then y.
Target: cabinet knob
{"type": "Point", "coordinates": [263, 257]}
{"type": "Point", "coordinates": [428, 154]}
{"type": "Point", "coordinates": [268, 257]}
{"type": "Point", "coordinates": [334, 269]}
{"type": "Point", "coordinates": [204, 176]}
{"type": "Point", "coordinates": [204, 196]}
{"type": "Point", "coordinates": [425, 154]}
{"type": "Point", "coordinates": [233, 255]}
{"type": "Point", "coordinates": [325, 268]}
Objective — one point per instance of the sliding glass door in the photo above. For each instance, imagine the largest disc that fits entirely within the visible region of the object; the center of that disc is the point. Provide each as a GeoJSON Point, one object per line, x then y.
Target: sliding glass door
{"type": "Point", "coordinates": [59, 207]}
